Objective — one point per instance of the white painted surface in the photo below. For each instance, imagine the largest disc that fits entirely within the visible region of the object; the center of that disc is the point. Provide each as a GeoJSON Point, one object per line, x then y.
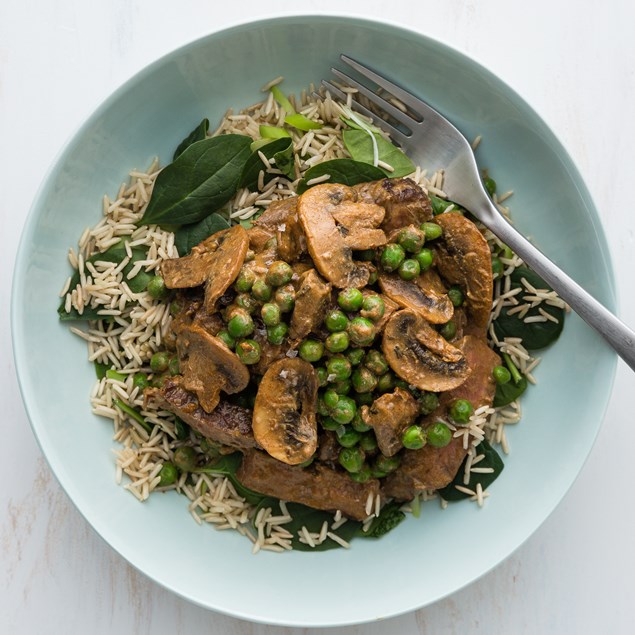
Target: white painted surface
{"type": "Point", "coordinates": [573, 60]}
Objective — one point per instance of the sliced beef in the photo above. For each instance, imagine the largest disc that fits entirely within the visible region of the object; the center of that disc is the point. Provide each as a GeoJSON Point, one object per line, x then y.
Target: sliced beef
{"type": "Point", "coordinates": [311, 303]}
{"type": "Point", "coordinates": [281, 219]}
{"type": "Point", "coordinates": [317, 486]}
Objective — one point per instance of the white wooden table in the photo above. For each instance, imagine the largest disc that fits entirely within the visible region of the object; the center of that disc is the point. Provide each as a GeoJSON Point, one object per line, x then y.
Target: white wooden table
{"type": "Point", "coordinates": [573, 60]}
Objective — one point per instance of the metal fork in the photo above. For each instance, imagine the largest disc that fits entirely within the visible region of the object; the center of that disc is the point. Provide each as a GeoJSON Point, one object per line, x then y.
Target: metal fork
{"type": "Point", "coordinates": [435, 143]}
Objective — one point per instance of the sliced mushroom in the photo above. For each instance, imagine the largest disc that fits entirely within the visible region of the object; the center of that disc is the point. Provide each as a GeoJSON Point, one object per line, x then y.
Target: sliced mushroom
{"type": "Point", "coordinates": [216, 261]}
{"type": "Point", "coordinates": [434, 307]}
{"type": "Point", "coordinates": [358, 224]}
{"type": "Point", "coordinates": [311, 303]}
{"type": "Point", "coordinates": [404, 201]}
{"type": "Point", "coordinates": [463, 258]}
{"type": "Point", "coordinates": [281, 219]}
{"type": "Point", "coordinates": [327, 245]}
{"type": "Point", "coordinates": [389, 416]}
{"type": "Point", "coordinates": [208, 366]}
{"type": "Point", "coordinates": [284, 422]}
{"type": "Point", "coordinates": [420, 356]}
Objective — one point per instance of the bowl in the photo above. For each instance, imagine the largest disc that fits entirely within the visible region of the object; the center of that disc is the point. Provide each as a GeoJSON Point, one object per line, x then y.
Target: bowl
{"type": "Point", "coordinates": [425, 558]}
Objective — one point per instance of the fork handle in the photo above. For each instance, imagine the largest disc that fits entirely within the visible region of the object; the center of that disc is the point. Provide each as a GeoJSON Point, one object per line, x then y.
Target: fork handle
{"type": "Point", "coordinates": [613, 330]}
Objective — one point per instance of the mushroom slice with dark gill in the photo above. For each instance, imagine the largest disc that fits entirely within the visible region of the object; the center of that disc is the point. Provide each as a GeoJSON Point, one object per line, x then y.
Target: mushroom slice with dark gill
{"type": "Point", "coordinates": [311, 303]}
{"type": "Point", "coordinates": [208, 366]}
{"type": "Point", "coordinates": [434, 307]}
{"type": "Point", "coordinates": [404, 201]}
{"type": "Point", "coordinates": [420, 356]}
{"type": "Point", "coordinates": [216, 261]}
{"type": "Point", "coordinates": [284, 420]}
{"type": "Point", "coordinates": [463, 258]}
{"type": "Point", "coordinates": [326, 240]}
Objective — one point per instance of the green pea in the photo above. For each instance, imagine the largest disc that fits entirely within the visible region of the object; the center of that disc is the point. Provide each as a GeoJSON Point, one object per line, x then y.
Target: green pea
{"type": "Point", "coordinates": [247, 302]}
{"type": "Point", "coordinates": [348, 437]}
{"type": "Point", "coordinates": [373, 308]}
{"type": "Point", "coordinates": [156, 288]}
{"type": "Point", "coordinates": [432, 231]}
{"type": "Point", "coordinates": [497, 267]}
{"type": "Point", "coordinates": [363, 398]}
{"type": "Point", "coordinates": [387, 464]}
{"type": "Point", "coordinates": [344, 410]}
{"type": "Point", "coordinates": [159, 362]}
{"type": "Point", "coordinates": [386, 382]}
{"type": "Point", "coordinates": [355, 356]}
{"type": "Point", "coordinates": [456, 296]}
{"type": "Point", "coordinates": [364, 474]}
{"type": "Point", "coordinates": [277, 333]}
{"type": "Point", "coordinates": [245, 280]}
{"type": "Point", "coordinates": [376, 362]}
{"type": "Point", "coordinates": [240, 324]}
{"type": "Point", "coordinates": [330, 424]}
{"type": "Point", "coordinates": [425, 258]}
{"type": "Point", "coordinates": [342, 387]}
{"type": "Point", "coordinates": [338, 368]}
{"type": "Point", "coordinates": [364, 380]}
{"type": "Point", "coordinates": [321, 408]}
{"type": "Point", "coordinates": [176, 306]}
{"type": "Point", "coordinates": [248, 351]}
{"type": "Point", "coordinates": [490, 185]}
{"type": "Point", "coordinates": [414, 438]}
{"type": "Point", "coordinates": [336, 321]}
{"type": "Point", "coordinates": [392, 256]}
{"type": "Point", "coordinates": [411, 239]}
{"type": "Point", "coordinates": [428, 402]}
{"type": "Point", "coordinates": [506, 252]}
{"type": "Point", "coordinates": [226, 339]}
{"type": "Point", "coordinates": [461, 410]}
{"type": "Point", "coordinates": [401, 383]}
{"type": "Point", "coordinates": [365, 255]}
{"type": "Point", "coordinates": [352, 459]}
{"type": "Point", "coordinates": [311, 350]}
{"type": "Point", "coordinates": [169, 474]}
{"type": "Point", "coordinates": [361, 331]}
{"type": "Point", "coordinates": [409, 269]}
{"type": "Point", "coordinates": [285, 298]}
{"type": "Point", "coordinates": [368, 442]}
{"type": "Point", "coordinates": [358, 423]}
{"type": "Point", "coordinates": [158, 380]}
{"type": "Point", "coordinates": [185, 458]}
{"type": "Point", "coordinates": [279, 273]}
{"type": "Point", "coordinates": [270, 314]}
{"type": "Point", "coordinates": [337, 342]}
{"type": "Point", "coordinates": [322, 375]}
{"type": "Point", "coordinates": [448, 330]}
{"type": "Point", "coordinates": [439, 435]}
{"type": "Point", "coordinates": [501, 375]}
{"type": "Point", "coordinates": [372, 277]}
{"type": "Point", "coordinates": [331, 397]}
{"type": "Point", "coordinates": [140, 381]}
{"type": "Point", "coordinates": [174, 367]}
{"type": "Point", "coordinates": [261, 290]}
{"type": "Point", "coordinates": [350, 299]}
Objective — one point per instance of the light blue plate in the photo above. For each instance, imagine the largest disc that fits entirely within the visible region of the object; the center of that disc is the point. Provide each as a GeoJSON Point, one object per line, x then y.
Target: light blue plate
{"type": "Point", "coordinates": [424, 559]}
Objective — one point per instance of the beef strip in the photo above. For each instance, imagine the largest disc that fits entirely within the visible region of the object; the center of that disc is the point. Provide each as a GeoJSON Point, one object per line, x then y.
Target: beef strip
{"type": "Point", "coordinates": [311, 303]}
{"type": "Point", "coordinates": [281, 219]}
{"type": "Point", "coordinates": [228, 424]}
{"type": "Point", "coordinates": [317, 486]}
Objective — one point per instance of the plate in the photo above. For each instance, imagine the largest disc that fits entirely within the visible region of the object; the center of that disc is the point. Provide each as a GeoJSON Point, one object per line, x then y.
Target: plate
{"type": "Point", "coordinates": [425, 558]}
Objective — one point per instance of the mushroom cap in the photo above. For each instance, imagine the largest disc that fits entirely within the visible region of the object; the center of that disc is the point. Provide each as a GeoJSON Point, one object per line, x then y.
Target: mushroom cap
{"type": "Point", "coordinates": [326, 241]}
{"type": "Point", "coordinates": [464, 258]}
{"type": "Point", "coordinates": [436, 308]}
{"type": "Point", "coordinates": [208, 366]}
{"type": "Point", "coordinates": [284, 421]}
{"type": "Point", "coordinates": [420, 356]}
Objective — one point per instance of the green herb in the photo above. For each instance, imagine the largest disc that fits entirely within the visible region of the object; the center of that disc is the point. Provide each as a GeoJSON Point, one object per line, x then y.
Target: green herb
{"type": "Point", "coordinates": [292, 118]}
{"type": "Point", "coordinates": [273, 132]}
{"type": "Point", "coordinates": [113, 374]}
{"type": "Point", "coordinates": [100, 370]}
{"type": "Point", "coordinates": [351, 123]}
{"type": "Point", "coordinates": [281, 98]}
{"type": "Point", "coordinates": [389, 517]}
{"type": "Point", "coordinates": [506, 393]}
{"type": "Point", "coordinates": [439, 205]}
{"type": "Point", "coordinates": [189, 236]}
{"type": "Point", "coordinates": [360, 146]}
{"type": "Point", "coordinates": [181, 429]}
{"type": "Point", "coordinates": [535, 335]}
{"type": "Point", "coordinates": [198, 134]}
{"type": "Point", "coordinates": [199, 182]}
{"type": "Point", "coordinates": [281, 150]}
{"type": "Point", "coordinates": [346, 171]}
{"type": "Point", "coordinates": [134, 413]}
{"type": "Point", "coordinates": [491, 459]}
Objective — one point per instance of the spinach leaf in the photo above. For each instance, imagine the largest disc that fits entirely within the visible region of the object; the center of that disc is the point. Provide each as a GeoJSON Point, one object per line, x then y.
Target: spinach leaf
{"type": "Point", "coordinates": [227, 465]}
{"type": "Point", "coordinates": [389, 517]}
{"type": "Point", "coordinates": [188, 236]}
{"type": "Point", "coordinates": [198, 134]}
{"type": "Point", "coordinates": [100, 370]}
{"type": "Point", "coordinates": [506, 393]}
{"type": "Point", "coordinates": [491, 459]}
{"type": "Point", "coordinates": [535, 335]}
{"type": "Point", "coordinates": [346, 171]}
{"type": "Point", "coordinates": [439, 205]}
{"type": "Point", "coordinates": [115, 254]}
{"type": "Point", "coordinates": [312, 519]}
{"type": "Point", "coordinates": [199, 182]}
{"type": "Point", "coordinates": [360, 146]}
{"type": "Point", "coordinates": [281, 150]}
